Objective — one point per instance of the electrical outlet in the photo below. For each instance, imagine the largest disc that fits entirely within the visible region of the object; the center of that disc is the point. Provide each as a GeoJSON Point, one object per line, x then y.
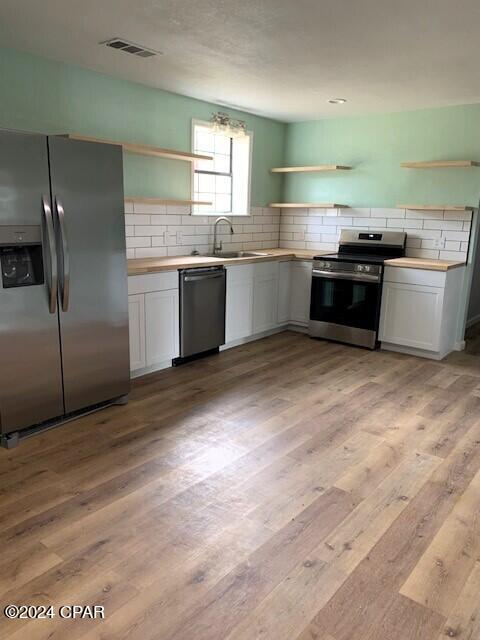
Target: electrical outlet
{"type": "Point", "coordinates": [439, 243]}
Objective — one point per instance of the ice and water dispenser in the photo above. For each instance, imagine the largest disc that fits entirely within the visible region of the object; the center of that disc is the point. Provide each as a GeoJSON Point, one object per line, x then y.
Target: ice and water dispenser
{"type": "Point", "coordinates": [21, 256]}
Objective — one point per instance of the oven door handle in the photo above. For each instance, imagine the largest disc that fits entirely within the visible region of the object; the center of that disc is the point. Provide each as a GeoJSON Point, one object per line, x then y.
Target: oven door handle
{"type": "Point", "coordinates": [336, 275]}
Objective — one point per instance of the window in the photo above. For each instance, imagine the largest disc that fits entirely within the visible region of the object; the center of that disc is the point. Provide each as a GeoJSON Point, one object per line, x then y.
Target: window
{"type": "Point", "coordinates": [225, 180]}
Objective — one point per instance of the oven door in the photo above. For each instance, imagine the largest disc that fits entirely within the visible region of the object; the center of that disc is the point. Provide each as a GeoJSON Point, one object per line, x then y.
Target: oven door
{"type": "Point", "coordinates": [345, 307]}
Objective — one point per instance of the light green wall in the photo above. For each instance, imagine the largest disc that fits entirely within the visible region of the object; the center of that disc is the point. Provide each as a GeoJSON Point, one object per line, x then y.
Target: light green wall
{"type": "Point", "coordinates": [41, 95]}
{"type": "Point", "coordinates": [375, 146]}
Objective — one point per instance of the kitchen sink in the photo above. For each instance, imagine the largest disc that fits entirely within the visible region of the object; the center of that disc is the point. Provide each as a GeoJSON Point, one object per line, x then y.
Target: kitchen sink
{"type": "Point", "coordinates": [236, 254]}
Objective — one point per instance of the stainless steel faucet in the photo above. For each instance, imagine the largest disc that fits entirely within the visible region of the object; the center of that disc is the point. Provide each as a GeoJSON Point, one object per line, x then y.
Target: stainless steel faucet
{"type": "Point", "coordinates": [217, 246]}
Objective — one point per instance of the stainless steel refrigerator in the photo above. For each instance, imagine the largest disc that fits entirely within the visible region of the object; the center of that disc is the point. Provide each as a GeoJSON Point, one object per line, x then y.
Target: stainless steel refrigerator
{"type": "Point", "coordinates": [63, 286]}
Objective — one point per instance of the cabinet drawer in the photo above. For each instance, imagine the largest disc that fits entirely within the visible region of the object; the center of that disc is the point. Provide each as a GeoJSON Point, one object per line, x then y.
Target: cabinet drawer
{"type": "Point", "coordinates": [153, 282]}
{"type": "Point", "coordinates": [422, 277]}
{"type": "Point", "coordinates": [240, 272]}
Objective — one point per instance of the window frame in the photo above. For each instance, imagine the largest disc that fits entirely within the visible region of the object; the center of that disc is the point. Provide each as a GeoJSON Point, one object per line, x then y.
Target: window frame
{"type": "Point", "coordinates": [206, 123]}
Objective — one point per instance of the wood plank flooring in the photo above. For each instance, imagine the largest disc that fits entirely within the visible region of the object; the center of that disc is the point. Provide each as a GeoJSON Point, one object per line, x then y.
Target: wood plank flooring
{"type": "Point", "coordinates": [288, 489]}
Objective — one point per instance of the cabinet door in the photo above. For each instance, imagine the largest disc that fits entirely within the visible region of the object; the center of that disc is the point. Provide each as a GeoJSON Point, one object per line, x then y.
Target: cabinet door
{"type": "Point", "coordinates": [300, 286]}
{"type": "Point", "coordinates": [161, 321]}
{"type": "Point", "coordinates": [239, 308]}
{"type": "Point", "coordinates": [136, 318]}
{"type": "Point", "coordinates": [283, 312]}
{"type": "Point", "coordinates": [265, 296]}
{"type": "Point", "coordinates": [411, 315]}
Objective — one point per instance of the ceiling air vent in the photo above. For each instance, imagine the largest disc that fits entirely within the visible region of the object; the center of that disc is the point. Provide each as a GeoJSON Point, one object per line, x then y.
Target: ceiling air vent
{"type": "Point", "coordinates": [129, 47]}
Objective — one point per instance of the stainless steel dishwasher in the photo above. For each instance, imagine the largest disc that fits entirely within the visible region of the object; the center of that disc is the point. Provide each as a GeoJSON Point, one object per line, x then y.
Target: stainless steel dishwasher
{"type": "Point", "coordinates": [202, 311]}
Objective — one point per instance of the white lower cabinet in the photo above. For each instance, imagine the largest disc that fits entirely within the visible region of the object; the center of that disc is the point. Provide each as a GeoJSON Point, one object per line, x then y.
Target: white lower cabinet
{"type": "Point", "coordinates": [136, 318]}
{"type": "Point", "coordinates": [420, 309]}
{"type": "Point", "coordinates": [265, 296]}
{"type": "Point", "coordinates": [283, 309]}
{"type": "Point", "coordinates": [153, 320]}
{"type": "Point", "coordinates": [161, 326]}
{"type": "Point", "coordinates": [411, 315]}
{"type": "Point", "coordinates": [300, 286]}
{"type": "Point", "coordinates": [239, 303]}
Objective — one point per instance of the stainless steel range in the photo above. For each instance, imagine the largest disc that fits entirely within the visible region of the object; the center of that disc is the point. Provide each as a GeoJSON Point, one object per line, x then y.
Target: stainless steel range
{"type": "Point", "coordinates": [347, 286]}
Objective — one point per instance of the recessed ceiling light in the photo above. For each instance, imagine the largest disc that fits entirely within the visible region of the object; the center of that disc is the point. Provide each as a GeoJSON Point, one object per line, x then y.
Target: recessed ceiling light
{"type": "Point", "coordinates": [337, 101]}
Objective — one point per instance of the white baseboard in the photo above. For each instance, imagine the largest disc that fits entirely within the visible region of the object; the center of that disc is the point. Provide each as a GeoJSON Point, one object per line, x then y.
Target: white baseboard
{"type": "Point", "coordinates": [411, 351]}
{"type": "Point", "coordinates": [472, 321]}
{"type": "Point", "coordinates": [299, 328]}
{"type": "Point", "coordinates": [137, 373]}
{"type": "Point", "coordinates": [256, 336]}
{"type": "Point", "coordinates": [459, 345]}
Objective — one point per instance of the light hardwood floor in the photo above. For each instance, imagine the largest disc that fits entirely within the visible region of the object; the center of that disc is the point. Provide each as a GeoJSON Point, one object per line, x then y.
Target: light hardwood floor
{"type": "Point", "coordinates": [288, 489]}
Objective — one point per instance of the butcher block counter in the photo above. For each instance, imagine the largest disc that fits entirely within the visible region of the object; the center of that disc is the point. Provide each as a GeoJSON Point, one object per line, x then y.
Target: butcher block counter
{"type": "Point", "coordinates": [140, 266]}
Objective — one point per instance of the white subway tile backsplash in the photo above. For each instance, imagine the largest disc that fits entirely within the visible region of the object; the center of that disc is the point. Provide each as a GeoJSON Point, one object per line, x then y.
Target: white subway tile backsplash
{"type": "Point", "coordinates": [299, 235]}
{"type": "Point", "coordinates": [458, 215]}
{"type": "Point", "coordinates": [293, 244]}
{"type": "Point", "coordinates": [342, 221]}
{"type": "Point", "coordinates": [424, 215]}
{"type": "Point", "coordinates": [149, 230]}
{"type": "Point", "coordinates": [375, 223]}
{"type": "Point", "coordinates": [452, 245]}
{"type": "Point", "coordinates": [318, 229]}
{"type": "Point", "coordinates": [463, 236]}
{"type": "Point", "coordinates": [424, 233]}
{"type": "Point", "coordinates": [443, 224]}
{"type": "Point", "coordinates": [134, 242]}
{"type": "Point", "coordinates": [166, 219]}
{"type": "Point", "coordinates": [388, 213]}
{"type": "Point", "coordinates": [414, 243]}
{"type": "Point", "coordinates": [152, 252]}
{"type": "Point", "coordinates": [453, 255]}
{"type": "Point", "coordinates": [402, 223]}
{"type": "Point", "coordinates": [132, 219]}
{"type": "Point", "coordinates": [424, 229]}
{"type": "Point", "coordinates": [421, 253]}
{"type": "Point", "coordinates": [361, 212]}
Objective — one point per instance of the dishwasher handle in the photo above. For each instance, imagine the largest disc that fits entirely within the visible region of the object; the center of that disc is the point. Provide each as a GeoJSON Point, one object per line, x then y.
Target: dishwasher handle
{"type": "Point", "coordinates": [206, 276]}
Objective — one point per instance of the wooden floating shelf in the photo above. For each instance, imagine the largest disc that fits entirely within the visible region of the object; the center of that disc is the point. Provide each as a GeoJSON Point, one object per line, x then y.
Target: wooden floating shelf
{"type": "Point", "coordinates": [145, 150]}
{"type": "Point", "coordinates": [315, 168]}
{"type": "Point", "coordinates": [307, 205]}
{"type": "Point", "coordinates": [441, 164]}
{"type": "Point", "coordinates": [434, 207]}
{"type": "Point", "coordinates": [133, 200]}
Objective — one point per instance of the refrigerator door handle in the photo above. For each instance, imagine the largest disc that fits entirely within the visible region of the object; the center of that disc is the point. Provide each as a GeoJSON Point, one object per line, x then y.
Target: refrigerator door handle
{"type": "Point", "coordinates": [53, 285]}
{"type": "Point", "coordinates": [65, 280]}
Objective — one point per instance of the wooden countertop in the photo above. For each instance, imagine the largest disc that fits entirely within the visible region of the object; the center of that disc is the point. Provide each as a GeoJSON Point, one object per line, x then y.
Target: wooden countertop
{"type": "Point", "coordinates": [141, 266]}
{"type": "Point", "coordinates": [424, 263]}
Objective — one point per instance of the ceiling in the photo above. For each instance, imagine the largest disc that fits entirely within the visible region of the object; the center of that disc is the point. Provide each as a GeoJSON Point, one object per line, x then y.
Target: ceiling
{"type": "Point", "coordinates": [279, 58]}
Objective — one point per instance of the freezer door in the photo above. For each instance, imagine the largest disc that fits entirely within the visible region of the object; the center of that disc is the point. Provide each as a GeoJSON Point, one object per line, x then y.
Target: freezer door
{"type": "Point", "coordinates": [88, 206]}
{"type": "Point", "coordinates": [30, 365]}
